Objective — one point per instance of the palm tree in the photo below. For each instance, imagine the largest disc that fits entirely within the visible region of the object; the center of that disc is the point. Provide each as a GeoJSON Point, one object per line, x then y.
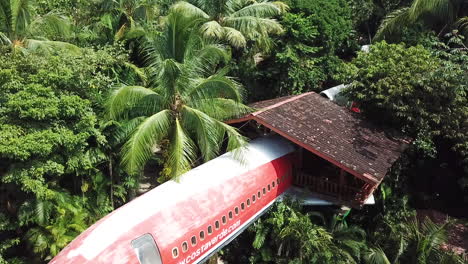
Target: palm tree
{"type": "Point", "coordinates": [351, 240]}
{"type": "Point", "coordinates": [413, 242]}
{"type": "Point", "coordinates": [188, 96]}
{"type": "Point", "coordinates": [127, 19]}
{"type": "Point", "coordinates": [56, 222]}
{"type": "Point", "coordinates": [17, 27]}
{"type": "Point", "coordinates": [237, 21]}
{"type": "Point", "coordinates": [440, 15]}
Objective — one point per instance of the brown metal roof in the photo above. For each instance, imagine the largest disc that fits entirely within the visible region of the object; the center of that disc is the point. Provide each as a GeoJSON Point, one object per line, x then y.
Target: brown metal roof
{"type": "Point", "coordinates": [332, 132]}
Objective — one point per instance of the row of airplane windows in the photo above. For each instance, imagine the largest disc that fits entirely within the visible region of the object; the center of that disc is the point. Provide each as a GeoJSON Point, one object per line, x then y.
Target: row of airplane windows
{"type": "Point", "coordinates": [193, 240]}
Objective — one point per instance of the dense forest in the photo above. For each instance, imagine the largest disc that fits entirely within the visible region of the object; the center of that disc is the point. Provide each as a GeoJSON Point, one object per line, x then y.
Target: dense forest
{"type": "Point", "coordinates": [97, 95]}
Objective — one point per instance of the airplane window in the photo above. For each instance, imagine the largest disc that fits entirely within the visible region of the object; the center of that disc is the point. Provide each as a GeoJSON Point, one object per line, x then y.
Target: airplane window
{"type": "Point", "coordinates": [223, 219]}
{"type": "Point", "coordinates": [230, 215]}
{"type": "Point", "coordinates": [242, 206]}
{"type": "Point", "coordinates": [248, 202]}
{"type": "Point", "coordinates": [273, 184]}
{"type": "Point", "coordinates": [194, 240]}
{"type": "Point", "coordinates": [217, 224]}
{"type": "Point", "coordinates": [253, 198]}
{"type": "Point", "coordinates": [210, 230]}
{"type": "Point", "coordinates": [175, 252]}
{"type": "Point", "coordinates": [264, 190]}
{"type": "Point", "coordinates": [236, 210]}
{"type": "Point", "coordinates": [269, 187]}
{"type": "Point", "coordinates": [146, 250]}
{"type": "Point", "coordinates": [202, 235]}
{"type": "Point", "coordinates": [278, 181]}
{"type": "Point", "coordinates": [184, 246]}
{"type": "Point", "coordinates": [258, 195]}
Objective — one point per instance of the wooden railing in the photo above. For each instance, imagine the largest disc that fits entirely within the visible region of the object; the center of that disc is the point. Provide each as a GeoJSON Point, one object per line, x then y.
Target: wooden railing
{"type": "Point", "coordinates": [330, 188]}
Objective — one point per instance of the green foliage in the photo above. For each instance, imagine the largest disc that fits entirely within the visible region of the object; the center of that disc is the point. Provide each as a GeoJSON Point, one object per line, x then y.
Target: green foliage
{"type": "Point", "coordinates": [413, 90]}
{"type": "Point", "coordinates": [440, 15]}
{"type": "Point", "coordinates": [19, 29]}
{"type": "Point", "coordinates": [295, 65]}
{"type": "Point", "coordinates": [333, 22]}
{"type": "Point", "coordinates": [411, 241]}
{"type": "Point", "coordinates": [287, 235]}
{"type": "Point", "coordinates": [126, 20]}
{"type": "Point", "coordinates": [57, 221]}
{"type": "Point", "coordinates": [315, 34]}
{"type": "Point", "coordinates": [51, 147]}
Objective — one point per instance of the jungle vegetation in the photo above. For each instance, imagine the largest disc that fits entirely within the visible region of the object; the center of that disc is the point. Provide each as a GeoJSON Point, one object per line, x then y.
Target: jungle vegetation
{"type": "Point", "coordinates": [96, 94]}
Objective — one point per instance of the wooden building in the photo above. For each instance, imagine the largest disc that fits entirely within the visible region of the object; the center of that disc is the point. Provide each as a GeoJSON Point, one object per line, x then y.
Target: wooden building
{"type": "Point", "coordinates": [343, 157]}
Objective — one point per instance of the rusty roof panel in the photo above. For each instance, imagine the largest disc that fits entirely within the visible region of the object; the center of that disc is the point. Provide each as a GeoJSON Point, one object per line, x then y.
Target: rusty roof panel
{"type": "Point", "coordinates": [334, 132]}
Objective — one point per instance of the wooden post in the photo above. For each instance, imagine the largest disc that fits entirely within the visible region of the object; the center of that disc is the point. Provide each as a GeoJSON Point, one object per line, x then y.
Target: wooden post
{"type": "Point", "coordinates": [297, 167]}
{"type": "Point", "coordinates": [341, 184]}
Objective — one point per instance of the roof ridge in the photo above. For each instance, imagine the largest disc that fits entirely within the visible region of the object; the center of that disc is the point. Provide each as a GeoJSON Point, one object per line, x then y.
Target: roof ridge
{"type": "Point", "coordinates": [280, 103]}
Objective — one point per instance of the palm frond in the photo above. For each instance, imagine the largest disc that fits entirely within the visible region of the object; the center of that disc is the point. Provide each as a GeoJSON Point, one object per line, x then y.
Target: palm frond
{"type": "Point", "coordinates": [49, 46]}
{"type": "Point", "coordinates": [169, 73]}
{"type": "Point", "coordinates": [283, 7]}
{"type": "Point", "coordinates": [180, 36]}
{"type": "Point", "coordinates": [236, 142]}
{"type": "Point", "coordinates": [139, 148]}
{"type": "Point", "coordinates": [234, 37]}
{"type": "Point", "coordinates": [220, 108]}
{"type": "Point", "coordinates": [354, 232]}
{"type": "Point", "coordinates": [125, 130]}
{"type": "Point", "coordinates": [4, 40]}
{"type": "Point", "coordinates": [259, 9]}
{"type": "Point", "coordinates": [212, 29]}
{"type": "Point", "coordinates": [440, 9]}
{"type": "Point", "coordinates": [462, 25]}
{"type": "Point", "coordinates": [182, 151]}
{"type": "Point", "coordinates": [435, 234]}
{"type": "Point", "coordinates": [215, 87]}
{"type": "Point", "coordinates": [20, 17]}
{"type": "Point", "coordinates": [106, 21]}
{"type": "Point", "coordinates": [51, 26]}
{"type": "Point", "coordinates": [393, 23]}
{"type": "Point", "coordinates": [126, 98]}
{"type": "Point", "coordinates": [207, 132]}
{"type": "Point", "coordinates": [138, 71]}
{"type": "Point", "coordinates": [35, 211]}
{"type": "Point", "coordinates": [206, 61]}
{"type": "Point", "coordinates": [134, 32]}
{"type": "Point", "coordinates": [352, 248]}
{"type": "Point", "coordinates": [189, 10]}
{"type": "Point", "coordinates": [253, 27]}
{"type": "Point", "coordinates": [6, 19]}
{"type": "Point", "coordinates": [376, 256]}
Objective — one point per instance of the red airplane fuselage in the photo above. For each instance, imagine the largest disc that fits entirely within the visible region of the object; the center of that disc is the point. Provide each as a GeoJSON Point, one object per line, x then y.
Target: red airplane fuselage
{"type": "Point", "coordinates": [187, 221]}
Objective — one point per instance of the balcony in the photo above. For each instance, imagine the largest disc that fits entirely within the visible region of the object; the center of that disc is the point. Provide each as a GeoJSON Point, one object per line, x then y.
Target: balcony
{"type": "Point", "coordinates": [330, 189]}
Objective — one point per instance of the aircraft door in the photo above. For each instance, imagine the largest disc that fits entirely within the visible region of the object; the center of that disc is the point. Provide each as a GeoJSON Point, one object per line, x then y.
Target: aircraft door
{"type": "Point", "coordinates": [146, 250]}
